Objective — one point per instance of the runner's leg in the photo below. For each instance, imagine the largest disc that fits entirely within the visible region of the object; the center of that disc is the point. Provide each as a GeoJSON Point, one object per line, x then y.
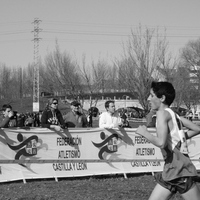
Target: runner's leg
{"type": "Point", "coordinates": [159, 193]}
{"type": "Point", "coordinates": [192, 194]}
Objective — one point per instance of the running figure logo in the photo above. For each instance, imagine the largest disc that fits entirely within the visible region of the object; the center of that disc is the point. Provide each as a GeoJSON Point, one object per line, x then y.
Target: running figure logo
{"type": "Point", "coordinates": [109, 145]}
{"type": "Point", "coordinates": [27, 147]}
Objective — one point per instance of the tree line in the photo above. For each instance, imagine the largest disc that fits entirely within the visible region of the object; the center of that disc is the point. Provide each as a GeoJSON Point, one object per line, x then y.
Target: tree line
{"type": "Point", "coordinates": [145, 57]}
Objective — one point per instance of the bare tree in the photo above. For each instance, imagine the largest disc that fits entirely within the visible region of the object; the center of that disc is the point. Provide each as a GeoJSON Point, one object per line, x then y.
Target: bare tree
{"type": "Point", "coordinates": [167, 65]}
{"type": "Point", "coordinates": [100, 76]}
{"type": "Point", "coordinates": [9, 83]}
{"type": "Point", "coordinates": [5, 79]}
{"type": "Point", "coordinates": [190, 57]}
{"type": "Point", "coordinates": [62, 73]}
{"type": "Point", "coordinates": [180, 83]}
{"type": "Point", "coordinates": [144, 53]}
{"type": "Point", "coordinates": [113, 78]}
{"type": "Point", "coordinates": [88, 81]}
{"type": "Point", "coordinates": [190, 54]}
{"type": "Point", "coordinates": [27, 81]}
{"type": "Point", "coordinates": [14, 87]}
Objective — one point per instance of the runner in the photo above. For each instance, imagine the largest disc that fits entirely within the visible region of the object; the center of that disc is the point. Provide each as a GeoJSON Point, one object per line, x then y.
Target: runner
{"type": "Point", "coordinates": [179, 171]}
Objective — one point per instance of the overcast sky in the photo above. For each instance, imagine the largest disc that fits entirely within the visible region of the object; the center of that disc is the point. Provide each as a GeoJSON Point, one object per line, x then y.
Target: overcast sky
{"type": "Point", "coordinates": [96, 28]}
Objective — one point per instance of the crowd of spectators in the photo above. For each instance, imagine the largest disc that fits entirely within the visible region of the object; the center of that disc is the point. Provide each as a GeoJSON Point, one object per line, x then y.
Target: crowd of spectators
{"type": "Point", "coordinates": [11, 118]}
{"type": "Point", "coordinates": [51, 117]}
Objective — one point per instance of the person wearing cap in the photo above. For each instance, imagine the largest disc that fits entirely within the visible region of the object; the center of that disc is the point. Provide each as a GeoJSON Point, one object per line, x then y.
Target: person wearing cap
{"type": "Point", "coordinates": [74, 118]}
{"type": "Point", "coordinates": [52, 117]}
{"type": "Point", "coordinates": [110, 118]}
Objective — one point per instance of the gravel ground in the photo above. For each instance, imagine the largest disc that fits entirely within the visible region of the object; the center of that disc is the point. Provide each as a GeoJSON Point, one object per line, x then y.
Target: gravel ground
{"type": "Point", "coordinates": [112, 187]}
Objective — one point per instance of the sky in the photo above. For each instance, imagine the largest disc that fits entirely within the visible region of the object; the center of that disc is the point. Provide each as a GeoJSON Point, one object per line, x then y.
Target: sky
{"type": "Point", "coordinates": [94, 28]}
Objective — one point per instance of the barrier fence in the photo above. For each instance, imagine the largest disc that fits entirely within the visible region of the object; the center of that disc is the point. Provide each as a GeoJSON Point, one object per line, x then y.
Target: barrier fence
{"type": "Point", "coordinates": [42, 153]}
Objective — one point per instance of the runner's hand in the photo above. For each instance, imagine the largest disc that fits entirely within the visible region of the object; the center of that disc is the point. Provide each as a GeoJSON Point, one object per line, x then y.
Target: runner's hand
{"type": "Point", "coordinates": [141, 130]}
{"type": "Point", "coordinates": [58, 128]}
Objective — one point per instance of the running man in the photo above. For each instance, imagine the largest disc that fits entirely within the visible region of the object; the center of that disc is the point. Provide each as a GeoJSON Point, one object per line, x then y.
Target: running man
{"type": "Point", "coordinates": [178, 172]}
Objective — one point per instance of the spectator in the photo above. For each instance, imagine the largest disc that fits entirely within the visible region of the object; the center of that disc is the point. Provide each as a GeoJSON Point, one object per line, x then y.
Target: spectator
{"type": "Point", "coordinates": [52, 117]}
{"type": "Point", "coordinates": [90, 120]}
{"type": "Point", "coordinates": [75, 118]}
{"type": "Point", "coordinates": [190, 115]}
{"type": "Point", "coordinates": [9, 117]}
{"type": "Point", "coordinates": [124, 119]}
{"type": "Point", "coordinates": [20, 120]}
{"type": "Point", "coordinates": [110, 118]}
{"type": "Point", "coordinates": [40, 117]}
{"type": "Point", "coordinates": [29, 120]}
{"type": "Point", "coordinates": [37, 120]}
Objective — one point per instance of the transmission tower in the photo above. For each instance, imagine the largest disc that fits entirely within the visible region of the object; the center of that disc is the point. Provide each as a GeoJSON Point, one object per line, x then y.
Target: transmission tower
{"type": "Point", "coordinates": [36, 40]}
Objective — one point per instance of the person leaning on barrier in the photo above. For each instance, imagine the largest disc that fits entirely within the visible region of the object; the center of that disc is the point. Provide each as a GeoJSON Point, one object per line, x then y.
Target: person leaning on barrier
{"type": "Point", "coordinates": [9, 117]}
{"type": "Point", "coordinates": [52, 117]}
{"type": "Point", "coordinates": [110, 118]}
{"type": "Point", "coordinates": [75, 118]}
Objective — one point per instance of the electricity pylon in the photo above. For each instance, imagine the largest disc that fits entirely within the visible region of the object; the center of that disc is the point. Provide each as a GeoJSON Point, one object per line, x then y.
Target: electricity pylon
{"type": "Point", "coordinates": [36, 65]}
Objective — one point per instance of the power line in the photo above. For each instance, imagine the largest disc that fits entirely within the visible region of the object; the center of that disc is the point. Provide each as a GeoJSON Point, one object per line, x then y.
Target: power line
{"type": "Point", "coordinates": [121, 25]}
{"type": "Point", "coordinates": [101, 33]}
{"type": "Point", "coordinates": [85, 33]}
{"type": "Point", "coordinates": [93, 41]}
{"type": "Point", "coordinates": [15, 40]}
{"type": "Point", "coordinates": [112, 25]}
{"type": "Point", "coordinates": [96, 25]}
{"type": "Point", "coordinates": [7, 23]}
{"type": "Point", "coordinates": [109, 34]}
{"type": "Point", "coordinates": [95, 33]}
{"type": "Point", "coordinates": [14, 32]}
{"type": "Point", "coordinates": [87, 41]}
{"type": "Point", "coordinates": [90, 32]}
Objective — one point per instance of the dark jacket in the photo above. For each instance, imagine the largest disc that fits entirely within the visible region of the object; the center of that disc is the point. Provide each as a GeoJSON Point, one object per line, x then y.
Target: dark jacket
{"type": "Point", "coordinates": [8, 122]}
{"type": "Point", "coordinates": [47, 119]}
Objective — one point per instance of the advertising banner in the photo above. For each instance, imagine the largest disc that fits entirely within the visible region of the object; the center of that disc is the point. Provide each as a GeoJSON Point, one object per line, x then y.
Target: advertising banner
{"type": "Point", "coordinates": [42, 153]}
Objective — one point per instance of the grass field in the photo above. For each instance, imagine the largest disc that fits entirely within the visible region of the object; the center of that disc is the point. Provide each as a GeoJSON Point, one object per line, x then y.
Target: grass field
{"type": "Point", "coordinates": [115, 187]}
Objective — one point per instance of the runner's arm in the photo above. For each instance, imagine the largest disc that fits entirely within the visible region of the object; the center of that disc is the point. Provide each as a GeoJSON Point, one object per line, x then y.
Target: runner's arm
{"type": "Point", "coordinates": [162, 130]}
{"type": "Point", "coordinates": [193, 128]}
